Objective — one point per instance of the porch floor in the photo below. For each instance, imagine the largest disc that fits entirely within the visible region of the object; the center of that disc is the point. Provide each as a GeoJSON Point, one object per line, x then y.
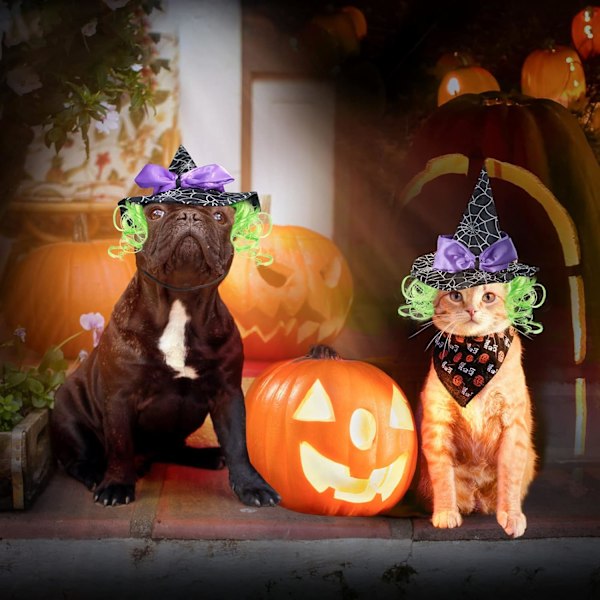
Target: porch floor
{"type": "Point", "coordinates": [187, 534]}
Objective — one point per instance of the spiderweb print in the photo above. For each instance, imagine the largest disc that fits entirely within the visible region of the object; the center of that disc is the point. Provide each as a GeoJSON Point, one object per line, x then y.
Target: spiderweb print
{"type": "Point", "coordinates": [478, 228]}
{"type": "Point", "coordinates": [182, 163]}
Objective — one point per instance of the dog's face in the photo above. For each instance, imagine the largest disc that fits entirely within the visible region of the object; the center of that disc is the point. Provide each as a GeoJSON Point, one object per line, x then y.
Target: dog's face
{"type": "Point", "coordinates": [187, 245]}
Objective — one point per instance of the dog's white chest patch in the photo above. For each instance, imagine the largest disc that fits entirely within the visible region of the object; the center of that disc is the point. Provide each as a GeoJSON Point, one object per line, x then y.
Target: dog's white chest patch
{"type": "Point", "coordinates": [172, 341]}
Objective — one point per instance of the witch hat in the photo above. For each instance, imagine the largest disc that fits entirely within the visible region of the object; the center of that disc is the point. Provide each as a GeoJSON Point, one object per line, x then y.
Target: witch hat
{"type": "Point", "coordinates": [478, 253]}
{"type": "Point", "coordinates": [185, 183]}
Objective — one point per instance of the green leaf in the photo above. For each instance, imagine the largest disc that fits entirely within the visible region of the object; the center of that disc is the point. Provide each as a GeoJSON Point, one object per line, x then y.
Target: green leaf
{"type": "Point", "coordinates": [137, 117]}
{"type": "Point", "coordinates": [35, 386]}
{"type": "Point", "coordinates": [53, 357]}
{"type": "Point", "coordinates": [160, 96]}
{"type": "Point", "coordinates": [58, 378]}
{"type": "Point", "coordinates": [15, 379]}
{"type": "Point", "coordinates": [39, 402]}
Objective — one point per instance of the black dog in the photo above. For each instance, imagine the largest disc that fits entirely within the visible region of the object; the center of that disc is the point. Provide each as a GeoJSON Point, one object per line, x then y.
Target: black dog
{"type": "Point", "coordinates": [170, 355]}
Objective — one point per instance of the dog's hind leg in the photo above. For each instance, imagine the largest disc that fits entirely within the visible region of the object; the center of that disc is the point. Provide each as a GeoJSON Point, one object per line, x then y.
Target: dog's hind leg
{"type": "Point", "coordinates": [76, 446]}
{"type": "Point", "coordinates": [80, 454]}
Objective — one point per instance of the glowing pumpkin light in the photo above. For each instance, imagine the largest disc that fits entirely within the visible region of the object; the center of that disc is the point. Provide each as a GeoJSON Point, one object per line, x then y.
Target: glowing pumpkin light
{"type": "Point", "coordinates": [332, 436]}
{"type": "Point", "coordinates": [555, 73]}
{"type": "Point", "coordinates": [585, 32]}
{"type": "Point", "coordinates": [56, 283]}
{"type": "Point", "coordinates": [302, 299]}
{"type": "Point", "coordinates": [465, 80]}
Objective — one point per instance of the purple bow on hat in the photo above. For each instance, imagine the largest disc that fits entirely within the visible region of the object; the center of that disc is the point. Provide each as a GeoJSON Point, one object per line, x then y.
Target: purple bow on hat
{"type": "Point", "coordinates": [453, 256]}
{"type": "Point", "coordinates": [208, 177]}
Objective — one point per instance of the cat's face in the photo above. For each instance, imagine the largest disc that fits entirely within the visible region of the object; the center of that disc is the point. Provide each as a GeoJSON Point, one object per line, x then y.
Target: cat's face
{"type": "Point", "coordinates": [473, 311]}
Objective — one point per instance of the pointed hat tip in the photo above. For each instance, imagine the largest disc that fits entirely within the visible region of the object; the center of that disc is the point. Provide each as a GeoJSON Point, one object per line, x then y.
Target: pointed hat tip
{"type": "Point", "coordinates": [182, 161]}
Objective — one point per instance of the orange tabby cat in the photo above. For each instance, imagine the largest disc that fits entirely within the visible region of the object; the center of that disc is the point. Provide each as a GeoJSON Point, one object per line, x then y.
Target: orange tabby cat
{"type": "Point", "coordinates": [479, 457]}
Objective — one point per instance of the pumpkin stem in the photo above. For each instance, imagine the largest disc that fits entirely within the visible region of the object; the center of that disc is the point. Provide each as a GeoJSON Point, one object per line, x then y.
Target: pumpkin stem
{"type": "Point", "coordinates": [323, 351]}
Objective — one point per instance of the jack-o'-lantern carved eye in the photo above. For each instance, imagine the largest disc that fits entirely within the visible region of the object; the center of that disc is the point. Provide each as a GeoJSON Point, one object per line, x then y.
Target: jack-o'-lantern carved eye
{"type": "Point", "coordinates": [400, 416]}
{"type": "Point", "coordinates": [332, 272]}
{"type": "Point", "coordinates": [275, 275]}
{"type": "Point", "coordinates": [316, 405]}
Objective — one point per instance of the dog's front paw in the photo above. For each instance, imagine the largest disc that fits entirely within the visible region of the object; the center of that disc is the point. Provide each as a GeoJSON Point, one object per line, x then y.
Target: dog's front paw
{"type": "Point", "coordinates": [514, 523]}
{"type": "Point", "coordinates": [116, 493]}
{"type": "Point", "coordinates": [253, 490]}
{"type": "Point", "coordinates": [446, 519]}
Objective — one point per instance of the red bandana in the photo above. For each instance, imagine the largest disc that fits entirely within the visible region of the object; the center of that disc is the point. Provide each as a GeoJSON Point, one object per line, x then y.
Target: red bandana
{"type": "Point", "coordinates": [466, 364]}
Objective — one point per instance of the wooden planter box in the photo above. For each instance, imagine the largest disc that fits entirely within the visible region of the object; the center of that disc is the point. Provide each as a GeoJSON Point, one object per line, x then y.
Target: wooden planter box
{"type": "Point", "coordinates": [25, 461]}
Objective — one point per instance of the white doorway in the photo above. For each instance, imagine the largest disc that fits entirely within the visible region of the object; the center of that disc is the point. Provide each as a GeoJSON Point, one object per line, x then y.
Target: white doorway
{"type": "Point", "coordinates": [293, 150]}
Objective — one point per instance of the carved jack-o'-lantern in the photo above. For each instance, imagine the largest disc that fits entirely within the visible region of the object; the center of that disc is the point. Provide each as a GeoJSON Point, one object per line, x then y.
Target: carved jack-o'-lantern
{"type": "Point", "coordinates": [332, 436]}
{"type": "Point", "coordinates": [301, 299]}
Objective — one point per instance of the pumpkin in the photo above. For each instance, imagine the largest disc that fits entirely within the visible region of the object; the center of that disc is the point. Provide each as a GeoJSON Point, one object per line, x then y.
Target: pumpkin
{"type": "Point", "coordinates": [332, 436]}
{"type": "Point", "coordinates": [341, 26]}
{"type": "Point", "coordinates": [301, 299]}
{"type": "Point", "coordinates": [449, 61]}
{"type": "Point", "coordinates": [546, 183]}
{"type": "Point", "coordinates": [585, 32]}
{"type": "Point", "coordinates": [358, 19]}
{"type": "Point", "coordinates": [54, 284]}
{"type": "Point", "coordinates": [555, 73]}
{"type": "Point", "coordinates": [465, 80]}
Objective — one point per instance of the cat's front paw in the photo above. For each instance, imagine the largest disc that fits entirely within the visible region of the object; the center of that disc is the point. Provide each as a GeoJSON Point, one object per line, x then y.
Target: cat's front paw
{"type": "Point", "coordinates": [446, 519]}
{"type": "Point", "coordinates": [514, 523]}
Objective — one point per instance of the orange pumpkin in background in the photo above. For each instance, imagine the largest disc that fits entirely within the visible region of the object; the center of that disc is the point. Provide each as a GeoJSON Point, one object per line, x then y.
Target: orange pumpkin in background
{"type": "Point", "coordinates": [585, 32]}
{"type": "Point", "coordinates": [54, 284]}
{"type": "Point", "coordinates": [466, 80]}
{"type": "Point", "coordinates": [555, 73]}
{"type": "Point", "coordinates": [358, 19]}
{"type": "Point", "coordinates": [450, 61]}
{"type": "Point", "coordinates": [332, 436]}
{"type": "Point", "coordinates": [302, 298]}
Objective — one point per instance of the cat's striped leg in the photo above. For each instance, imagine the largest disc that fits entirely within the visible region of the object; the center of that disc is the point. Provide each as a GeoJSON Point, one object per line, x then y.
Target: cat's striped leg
{"type": "Point", "coordinates": [445, 509]}
{"type": "Point", "coordinates": [513, 457]}
{"type": "Point", "coordinates": [436, 434]}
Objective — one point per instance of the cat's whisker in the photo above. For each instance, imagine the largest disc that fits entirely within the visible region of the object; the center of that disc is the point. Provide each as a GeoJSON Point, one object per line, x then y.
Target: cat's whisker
{"type": "Point", "coordinates": [421, 329]}
{"type": "Point", "coordinates": [434, 339]}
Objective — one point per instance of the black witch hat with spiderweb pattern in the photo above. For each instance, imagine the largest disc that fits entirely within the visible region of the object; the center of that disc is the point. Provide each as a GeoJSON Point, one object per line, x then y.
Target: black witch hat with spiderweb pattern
{"type": "Point", "coordinates": [478, 253]}
{"type": "Point", "coordinates": [185, 183]}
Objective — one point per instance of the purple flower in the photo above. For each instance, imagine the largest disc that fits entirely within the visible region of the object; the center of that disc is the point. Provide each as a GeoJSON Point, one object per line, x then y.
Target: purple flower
{"type": "Point", "coordinates": [93, 322]}
{"type": "Point", "coordinates": [22, 80]}
{"type": "Point", "coordinates": [83, 354]}
{"type": "Point", "coordinates": [114, 4]}
{"type": "Point", "coordinates": [89, 29]}
{"type": "Point", "coordinates": [21, 333]}
{"type": "Point", "coordinates": [110, 121]}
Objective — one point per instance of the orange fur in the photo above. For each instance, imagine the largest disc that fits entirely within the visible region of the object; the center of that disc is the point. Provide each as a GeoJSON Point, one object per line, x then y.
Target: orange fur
{"type": "Point", "coordinates": [480, 457]}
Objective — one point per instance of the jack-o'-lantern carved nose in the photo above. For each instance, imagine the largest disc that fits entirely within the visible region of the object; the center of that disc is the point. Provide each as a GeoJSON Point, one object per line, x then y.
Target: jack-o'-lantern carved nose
{"type": "Point", "coordinates": [363, 429]}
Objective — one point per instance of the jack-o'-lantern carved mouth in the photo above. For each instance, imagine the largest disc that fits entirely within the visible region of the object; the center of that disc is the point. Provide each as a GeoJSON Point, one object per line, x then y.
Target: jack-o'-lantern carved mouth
{"type": "Point", "coordinates": [323, 473]}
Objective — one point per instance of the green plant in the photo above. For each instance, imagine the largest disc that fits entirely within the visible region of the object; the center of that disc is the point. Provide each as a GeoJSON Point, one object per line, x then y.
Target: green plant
{"type": "Point", "coordinates": [68, 65]}
{"type": "Point", "coordinates": [26, 387]}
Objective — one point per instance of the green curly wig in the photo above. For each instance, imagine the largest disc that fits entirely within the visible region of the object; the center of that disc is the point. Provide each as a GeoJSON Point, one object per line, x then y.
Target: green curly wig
{"type": "Point", "coordinates": [249, 226]}
{"type": "Point", "coordinates": [524, 294]}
